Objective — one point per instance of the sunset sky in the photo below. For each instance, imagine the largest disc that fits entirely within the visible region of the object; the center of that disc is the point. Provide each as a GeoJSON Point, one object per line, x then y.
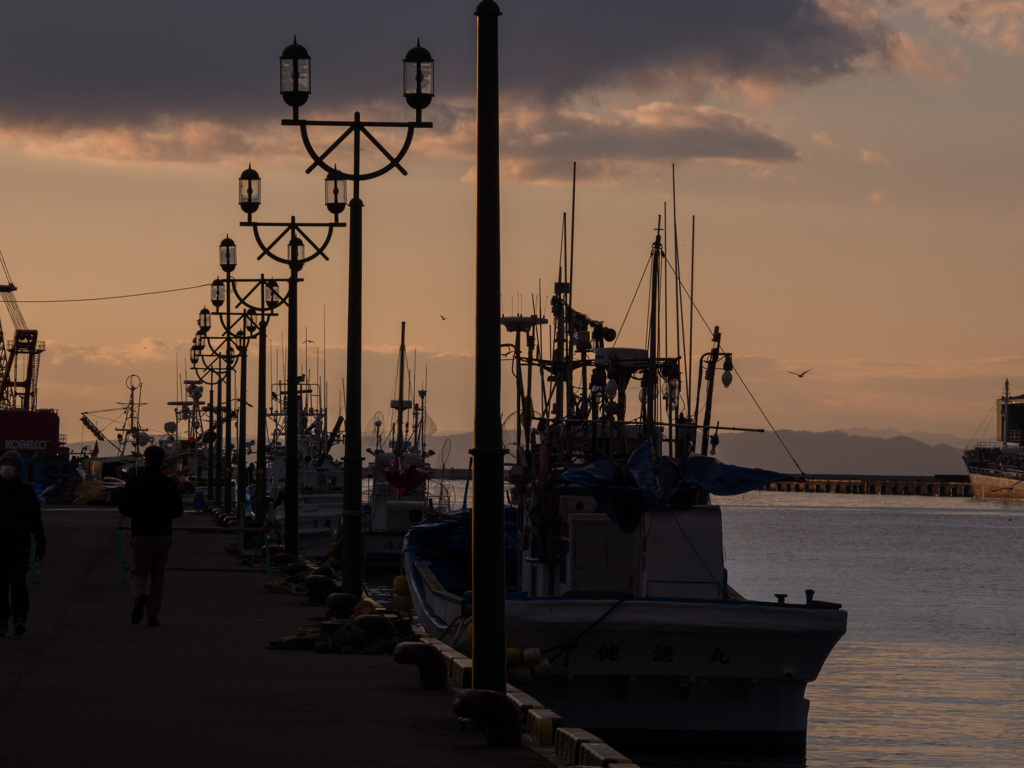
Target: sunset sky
{"type": "Point", "coordinates": [855, 171]}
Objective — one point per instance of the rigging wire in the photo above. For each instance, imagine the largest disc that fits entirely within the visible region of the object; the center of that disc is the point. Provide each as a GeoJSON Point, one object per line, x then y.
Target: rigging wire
{"type": "Point", "coordinates": [989, 419]}
{"type": "Point", "coordinates": [775, 432]}
{"type": "Point", "coordinates": [735, 371]}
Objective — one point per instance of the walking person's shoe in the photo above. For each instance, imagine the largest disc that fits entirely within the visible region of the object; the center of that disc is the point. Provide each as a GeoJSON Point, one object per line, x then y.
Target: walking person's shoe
{"type": "Point", "coordinates": [140, 608]}
{"type": "Point", "coordinates": [19, 625]}
{"type": "Point", "coordinates": [152, 621]}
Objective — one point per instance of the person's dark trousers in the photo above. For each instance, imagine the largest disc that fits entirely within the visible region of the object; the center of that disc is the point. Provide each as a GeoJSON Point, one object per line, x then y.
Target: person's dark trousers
{"type": "Point", "coordinates": [12, 582]}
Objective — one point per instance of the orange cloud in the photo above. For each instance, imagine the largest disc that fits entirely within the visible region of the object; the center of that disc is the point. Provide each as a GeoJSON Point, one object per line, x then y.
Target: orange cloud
{"type": "Point", "coordinates": [994, 23]}
{"type": "Point", "coordinates": [873, 158]}
{"type": "Point", "coordinates": [166, 140]}
{"type": "Point", "coordinates": [822, 138]}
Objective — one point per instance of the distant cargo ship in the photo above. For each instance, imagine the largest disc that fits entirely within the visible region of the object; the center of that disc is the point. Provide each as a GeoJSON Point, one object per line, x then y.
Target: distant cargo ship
{"type": "Point", "coordinates": [997, 469]}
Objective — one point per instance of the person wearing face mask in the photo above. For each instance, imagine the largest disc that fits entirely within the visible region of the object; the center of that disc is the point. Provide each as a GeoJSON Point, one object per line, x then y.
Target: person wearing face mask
{"type": "Point", "coordinates": [20, 521]}
{"type": "Point", "coordinates": [152, 500]}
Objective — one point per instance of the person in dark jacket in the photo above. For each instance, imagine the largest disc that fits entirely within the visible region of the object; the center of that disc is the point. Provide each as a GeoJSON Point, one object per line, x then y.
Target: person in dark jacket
{"type": "Point", "coordinates": [20, 521]}
{"type": "Point", "coordinates": [152, 500]}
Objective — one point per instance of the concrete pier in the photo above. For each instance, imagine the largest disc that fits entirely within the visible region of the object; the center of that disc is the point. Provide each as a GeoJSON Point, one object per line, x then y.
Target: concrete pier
{"type": "Point", "coordinates": [84, 687]}
{"type": "Point", "coordinates": [881, 485]}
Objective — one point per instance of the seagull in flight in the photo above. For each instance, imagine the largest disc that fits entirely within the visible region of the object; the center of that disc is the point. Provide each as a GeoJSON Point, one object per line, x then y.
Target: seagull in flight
{"type": "Point", "coordinates": [442, 317]}
{"type": "Point", "coordinates": [801, 375]}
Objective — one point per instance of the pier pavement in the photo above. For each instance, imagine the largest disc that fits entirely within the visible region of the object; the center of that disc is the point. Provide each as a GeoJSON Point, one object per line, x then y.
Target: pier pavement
{"type": "Point", "coordinates": [85, 687]}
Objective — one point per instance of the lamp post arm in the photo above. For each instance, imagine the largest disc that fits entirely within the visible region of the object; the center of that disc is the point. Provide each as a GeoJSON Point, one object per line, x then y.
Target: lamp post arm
{"type": "Point", "coordinates": [318, 250]}
{"type": "Point", "coordinates": [293, 228]}
{"type": "Point", "coordinates": [318, 159]}
{"type": "Point", "coordinates": [359, 127]}
{"type": "Point", "coordinates": [246, 299]}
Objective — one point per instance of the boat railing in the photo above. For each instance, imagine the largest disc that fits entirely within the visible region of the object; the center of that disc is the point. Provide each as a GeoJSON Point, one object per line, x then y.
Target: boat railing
{"type": "Point", "coordinates": [995, 445]}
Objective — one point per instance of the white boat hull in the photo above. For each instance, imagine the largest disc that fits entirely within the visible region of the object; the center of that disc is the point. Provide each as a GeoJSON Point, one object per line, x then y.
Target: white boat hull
{"type": "Point", "coordinates": [686, 668]}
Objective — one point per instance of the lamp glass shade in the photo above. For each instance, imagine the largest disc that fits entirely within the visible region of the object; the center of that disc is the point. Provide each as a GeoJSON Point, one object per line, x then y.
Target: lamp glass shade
{"type": "Point", "coordinates": [249, 190]}
{"type": "Point", "coordinates": [218, 292]}
{"type": "Point", "coordinates": [335, 192]}
{"type": "Point", "coordinates": [228, 255]}
{"type": "Point", "coordinates": [272, 294]}
{"type": "Point", "coordinates": [295, 75]}
{"type": "Point", "coordinates": [418, 69]}
{"type": "Point", "coordinates": [296, 249]}
{"type": "Point", "coordinates": [204, 320]}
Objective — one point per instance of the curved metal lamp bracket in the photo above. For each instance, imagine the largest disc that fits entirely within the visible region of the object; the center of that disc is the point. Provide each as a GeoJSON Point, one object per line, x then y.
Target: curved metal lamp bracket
{"type": "Point", "coordinates": [295, 229]}
{"type": "Point", "coordinates": [359, 129]}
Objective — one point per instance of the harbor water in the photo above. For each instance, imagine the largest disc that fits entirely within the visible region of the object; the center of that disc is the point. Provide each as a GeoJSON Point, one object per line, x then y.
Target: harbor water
{"type": "Point", "coordinates": [931, 671]}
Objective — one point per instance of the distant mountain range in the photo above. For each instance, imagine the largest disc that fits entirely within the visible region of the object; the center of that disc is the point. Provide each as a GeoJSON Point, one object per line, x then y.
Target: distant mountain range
{"type": "Point", "coordinates": [849, 452]}
{"type": "Point", "coordinates": [841, 453]}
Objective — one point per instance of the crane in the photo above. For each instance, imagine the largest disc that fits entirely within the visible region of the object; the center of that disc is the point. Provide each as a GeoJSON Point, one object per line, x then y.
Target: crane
{"type": "Point", "coordinates": [19, 358]}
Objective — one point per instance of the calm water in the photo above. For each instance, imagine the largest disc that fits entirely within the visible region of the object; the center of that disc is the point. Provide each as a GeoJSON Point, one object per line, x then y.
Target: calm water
{"type": "Point", "coordinates": [931, 671]}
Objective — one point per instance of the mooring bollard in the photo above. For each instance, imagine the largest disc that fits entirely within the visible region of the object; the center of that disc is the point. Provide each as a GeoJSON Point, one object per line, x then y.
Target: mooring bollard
{"type": "Point", "coordinates": [428, 658]}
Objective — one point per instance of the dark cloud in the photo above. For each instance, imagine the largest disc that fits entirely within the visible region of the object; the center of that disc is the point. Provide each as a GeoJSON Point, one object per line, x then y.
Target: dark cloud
{"type": "Point", "coordinates": [102, 62]}
{"type": "Point", "coordinates": [197, 81]}
{"type": "Point", "coordinates": [651, 136]}
{"type": "Point", "coordinates": [690, 43]}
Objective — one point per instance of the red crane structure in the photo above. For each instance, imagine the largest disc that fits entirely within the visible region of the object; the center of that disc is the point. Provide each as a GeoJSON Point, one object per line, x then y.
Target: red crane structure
{"type": "Point", "coordinates": [24, 427]}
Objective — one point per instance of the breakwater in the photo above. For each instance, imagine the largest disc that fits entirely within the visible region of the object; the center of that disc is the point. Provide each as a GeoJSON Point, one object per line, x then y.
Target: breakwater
{"type": "Point", "coordinates": [881, 485]}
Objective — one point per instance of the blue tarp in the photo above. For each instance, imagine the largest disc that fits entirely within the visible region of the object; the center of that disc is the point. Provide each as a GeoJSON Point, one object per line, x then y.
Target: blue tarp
{"type": "Point", "coordinates": [623, 492]}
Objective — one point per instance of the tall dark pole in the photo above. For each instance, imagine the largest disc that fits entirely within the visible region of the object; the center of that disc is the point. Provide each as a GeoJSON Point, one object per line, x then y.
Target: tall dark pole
{"type": "Point", "coordinates": [352, 490]}
{"type": "Point", "coordinates": [291, 453]}
{"type": "Point", "coordinates": [220, 442]}
{"type": "Point", "coordinates": [227, 414]}
{"type": "Point", "coordinates": [261, 427]}
{"type": "Point", "coordinates": [488, 463]}
{"type": "Point", "coordinates": [211, 459]}
{"type": "Point", "coordinates": [240, 470]}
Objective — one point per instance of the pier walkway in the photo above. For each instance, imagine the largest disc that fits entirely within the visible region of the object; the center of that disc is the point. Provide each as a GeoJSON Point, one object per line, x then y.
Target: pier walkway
{"type": "Point", "coordinates": [84, 687]}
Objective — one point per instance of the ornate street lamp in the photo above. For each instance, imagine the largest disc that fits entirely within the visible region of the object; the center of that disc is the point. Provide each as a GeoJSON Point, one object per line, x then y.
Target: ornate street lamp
{"type": "Point", "coordinates": [260, 301]}
{"type": "Point", "coordinates": [295, 236]}
{"type": "Point", "coordinates": [418, 75]}
{"type": "Point", "coordinates": [212, 367]}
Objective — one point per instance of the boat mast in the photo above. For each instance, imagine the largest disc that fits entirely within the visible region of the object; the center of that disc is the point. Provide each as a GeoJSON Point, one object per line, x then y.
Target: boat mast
{"type": "Point", "coordinates": [399, 405]}
{"type": "Point", "coordinates": [1006, 412]}
{"type": "Point", "coordinates": [650, 382]}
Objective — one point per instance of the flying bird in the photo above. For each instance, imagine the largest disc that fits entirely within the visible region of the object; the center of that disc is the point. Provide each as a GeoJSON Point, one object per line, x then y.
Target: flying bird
{"type": "Point", "coordinates": [442, 317]}
{"type": "Point", "coordinates": [801, 375]}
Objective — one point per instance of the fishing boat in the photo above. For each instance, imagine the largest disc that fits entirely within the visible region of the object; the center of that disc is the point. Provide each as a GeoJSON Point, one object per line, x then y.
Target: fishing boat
{"type": "Point", "coordinates": [997, 468]}
{"type": "Point", "coordinates": [619, 612]}
{"type": "Point", "coordinates": [400, 475]}
{"type": "Point", "coordinates": [320, 500]}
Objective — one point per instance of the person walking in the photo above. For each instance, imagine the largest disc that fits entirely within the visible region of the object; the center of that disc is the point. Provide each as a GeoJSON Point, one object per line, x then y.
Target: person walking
{"type": "Point", "coordinates": [152, 500]}
{"type": "Point", "coordinates": [20, 521]}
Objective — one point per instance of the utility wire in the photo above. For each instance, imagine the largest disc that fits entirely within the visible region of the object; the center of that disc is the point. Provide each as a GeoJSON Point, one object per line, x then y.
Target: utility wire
{"type": "Point", "coordinates": [110, 298]}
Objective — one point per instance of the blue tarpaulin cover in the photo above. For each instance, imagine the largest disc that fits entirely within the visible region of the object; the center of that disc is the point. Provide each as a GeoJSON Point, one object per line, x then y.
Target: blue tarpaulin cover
{"type": "Point", "coordinates": [623, 492]}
